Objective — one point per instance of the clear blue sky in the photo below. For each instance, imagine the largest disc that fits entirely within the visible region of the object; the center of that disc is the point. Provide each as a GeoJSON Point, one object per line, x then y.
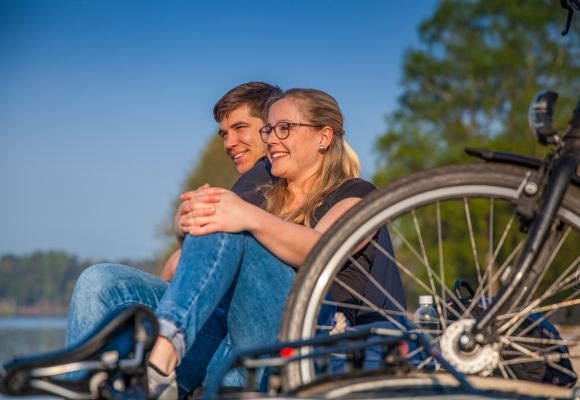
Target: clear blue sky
{"type": "Point", "coordinates": [105, 105]}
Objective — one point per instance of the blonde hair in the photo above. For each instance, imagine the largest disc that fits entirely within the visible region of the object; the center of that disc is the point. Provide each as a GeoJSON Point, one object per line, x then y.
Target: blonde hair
{"type": "Point", "coordinates": [339, 163]}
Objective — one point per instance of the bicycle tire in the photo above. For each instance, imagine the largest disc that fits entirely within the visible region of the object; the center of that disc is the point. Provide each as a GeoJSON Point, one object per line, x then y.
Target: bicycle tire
{"type": "Point", "coordinates": [424, 385]}
{"type": "Point", "coordinates": [498, 181]}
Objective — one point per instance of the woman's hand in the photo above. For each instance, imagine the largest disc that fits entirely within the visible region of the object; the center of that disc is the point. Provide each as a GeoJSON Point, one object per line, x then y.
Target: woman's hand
{"type": "Point", "coordinates": [229, 213]}
{"type": "Point", "coordinates": [196, 203]}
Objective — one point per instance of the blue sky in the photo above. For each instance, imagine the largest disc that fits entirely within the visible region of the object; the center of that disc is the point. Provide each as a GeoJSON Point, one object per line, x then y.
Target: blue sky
{"type": "Point", "coordinates": [106, 105]}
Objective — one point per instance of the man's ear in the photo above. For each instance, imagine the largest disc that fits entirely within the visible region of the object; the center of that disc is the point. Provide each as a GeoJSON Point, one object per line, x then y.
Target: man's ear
{"type": "Point", "coordinates": [326, 135]}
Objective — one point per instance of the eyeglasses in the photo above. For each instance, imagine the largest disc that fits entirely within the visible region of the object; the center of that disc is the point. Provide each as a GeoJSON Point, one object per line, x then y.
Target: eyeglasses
{"type": "Point", "coordinates": [281, 129]}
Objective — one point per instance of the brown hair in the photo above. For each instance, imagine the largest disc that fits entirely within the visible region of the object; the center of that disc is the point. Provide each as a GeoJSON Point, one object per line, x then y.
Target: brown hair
{"type": "Point", "coordinates": [340, 162]}
{"type": "Point", "coordinates": [256, 95]}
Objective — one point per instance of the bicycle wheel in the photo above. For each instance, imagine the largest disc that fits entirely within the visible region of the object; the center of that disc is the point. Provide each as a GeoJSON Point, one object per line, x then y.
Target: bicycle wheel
{"type": "Point", "coordinates": [447, 223]}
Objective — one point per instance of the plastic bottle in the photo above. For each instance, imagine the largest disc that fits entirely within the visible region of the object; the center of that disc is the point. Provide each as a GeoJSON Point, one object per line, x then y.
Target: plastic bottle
{"type": "Point", "coordinates": [426, 317]}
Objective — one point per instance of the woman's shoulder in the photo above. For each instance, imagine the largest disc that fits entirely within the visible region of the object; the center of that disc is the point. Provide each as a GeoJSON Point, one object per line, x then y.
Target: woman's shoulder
{"type": "Point", "coordinates": [354, 187]}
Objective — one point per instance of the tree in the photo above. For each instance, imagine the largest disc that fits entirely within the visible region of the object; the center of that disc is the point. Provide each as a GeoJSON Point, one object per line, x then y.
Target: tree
{"type": "Point", "coordinates": [472, 78]}
{"type": "Point", "coordinates": [469, 83]}
{"type": "Point", "coordinates": [212, 167]}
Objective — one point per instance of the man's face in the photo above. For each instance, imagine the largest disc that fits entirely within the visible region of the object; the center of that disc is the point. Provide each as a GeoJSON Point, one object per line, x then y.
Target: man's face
{"type": "Point", "coordinates": [242, 141]}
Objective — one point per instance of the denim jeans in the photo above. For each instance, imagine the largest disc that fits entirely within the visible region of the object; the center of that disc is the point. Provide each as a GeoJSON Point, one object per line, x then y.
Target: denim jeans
{"type": "Point", "coordinates": [231, 270]}
{"type": "Point", "coordinates": [224, 284]}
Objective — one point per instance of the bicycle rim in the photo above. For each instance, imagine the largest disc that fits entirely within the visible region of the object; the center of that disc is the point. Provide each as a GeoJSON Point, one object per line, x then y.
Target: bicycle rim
{"type": "Point", "coordinates": [421, 213]}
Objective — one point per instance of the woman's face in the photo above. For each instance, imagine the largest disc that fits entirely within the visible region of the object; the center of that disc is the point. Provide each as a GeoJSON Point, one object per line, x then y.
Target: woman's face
{"type": "Point", "coordinates": [297, 157]}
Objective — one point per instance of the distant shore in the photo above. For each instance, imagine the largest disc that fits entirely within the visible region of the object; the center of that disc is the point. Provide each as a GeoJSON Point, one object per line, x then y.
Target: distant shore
{"type": "Point", "coordinates": [37, 310]}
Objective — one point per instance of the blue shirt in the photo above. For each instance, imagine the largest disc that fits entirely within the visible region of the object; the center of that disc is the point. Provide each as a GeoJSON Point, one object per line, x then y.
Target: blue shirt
{"type": "Point", "coordinates": [260, 174]}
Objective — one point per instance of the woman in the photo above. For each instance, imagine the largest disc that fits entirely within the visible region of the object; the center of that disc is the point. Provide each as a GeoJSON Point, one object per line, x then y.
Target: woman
{"type": "Point", "coordinates": [242, 257]}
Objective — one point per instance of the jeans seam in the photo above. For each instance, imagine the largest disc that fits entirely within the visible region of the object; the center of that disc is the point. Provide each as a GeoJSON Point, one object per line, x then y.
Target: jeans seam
{"type": "Point", "coordinates": [126, 302]}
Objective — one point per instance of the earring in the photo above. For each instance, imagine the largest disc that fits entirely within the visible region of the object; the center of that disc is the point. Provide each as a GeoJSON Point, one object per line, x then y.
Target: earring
{"type": "Point", "coordinates": [321, 148]}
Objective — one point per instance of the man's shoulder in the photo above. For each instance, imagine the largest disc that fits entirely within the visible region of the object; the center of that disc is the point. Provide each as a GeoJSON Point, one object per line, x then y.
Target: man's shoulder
{"type": "Point", "coordinates": [257, 176]}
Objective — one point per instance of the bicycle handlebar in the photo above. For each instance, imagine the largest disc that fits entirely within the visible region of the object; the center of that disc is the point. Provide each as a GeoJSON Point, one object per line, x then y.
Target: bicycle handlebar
{"type": "Point", "coordinates": [569, 5]}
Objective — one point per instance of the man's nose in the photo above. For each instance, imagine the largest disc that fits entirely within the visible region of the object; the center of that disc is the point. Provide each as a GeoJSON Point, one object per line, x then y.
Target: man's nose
{"type": "Point", "coordinates": [230, 140]}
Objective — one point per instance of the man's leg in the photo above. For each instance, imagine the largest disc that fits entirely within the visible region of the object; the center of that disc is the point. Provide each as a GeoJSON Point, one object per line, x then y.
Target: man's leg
{"type": "Point", "coordinates": [105, 288]}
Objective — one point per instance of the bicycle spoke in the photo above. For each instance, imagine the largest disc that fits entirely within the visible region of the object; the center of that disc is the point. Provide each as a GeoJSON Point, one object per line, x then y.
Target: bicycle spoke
{"type": "Point", "coordinates": [564, 278]}
{"type": "Point", "coordinates": [527, 360]}
{"type": "Point", "coordinates": [556, 306]}
{"type": "Point", "coordinates": [562, 369]}
{"type": "Point", "coordinates": [502, 369]}
{"type": "Point", "coordinates": [536, 322]}
{"type": "Point", "coordinates": [517, 319]}
{"type": "Point", "coordinates": [364, 308]}
{"type": "Point", "coordinates": [550, 360]}
{"type": "Point", "coordinates": [520, 348]}
{"type": "Point", "coordinates": [535, 357]}
{"type": "Point", "coordinates": [473, 247]}
{"type": "Point", "coordinates": [371, 305]}
{"type": "Point", "coordinates": [427, 266]}
{"type": "Point", "coordinates": [425, 362]}
{"type": "Point", "coordinates": [442, 313]}
{"type": "Point", "coordinates": [554, 253]}
{"type": "Point", "coordinates": [421, 348]}
{"type": "Point", "coordinates": [411, 275]}
{"type": "Point", "coordinates": [532, 340]}
{"type": "Point", "coordinates": [481, 291]}
{"type": "Point", "coordinates": [510, 371]}
{"type": "Point", "coordinates": [430, 271]}
{"type": "Point", "coordinates": [383, 291]}
{"type": "Point", "coordinates": [489, 268]}
{"type": "Point", "coordinates": [393, 228]}
{"type": "Point", "coordinates": [504, 235]}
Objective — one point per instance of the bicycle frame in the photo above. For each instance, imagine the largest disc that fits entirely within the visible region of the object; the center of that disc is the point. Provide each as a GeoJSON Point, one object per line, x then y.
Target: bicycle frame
{"type": "Point", "coordinates": [562, 169]}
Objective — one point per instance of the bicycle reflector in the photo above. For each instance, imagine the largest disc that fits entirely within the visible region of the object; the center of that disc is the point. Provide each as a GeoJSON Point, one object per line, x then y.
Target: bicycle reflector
{"type": "Point", "coordinates": [540, 117]}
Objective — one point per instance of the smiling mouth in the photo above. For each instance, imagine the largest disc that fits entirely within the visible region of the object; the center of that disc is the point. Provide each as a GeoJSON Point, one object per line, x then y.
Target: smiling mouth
{"type": "Point", "coordinates": [237, 156]}
{"type": "Point", "coordinates": [278, 154]}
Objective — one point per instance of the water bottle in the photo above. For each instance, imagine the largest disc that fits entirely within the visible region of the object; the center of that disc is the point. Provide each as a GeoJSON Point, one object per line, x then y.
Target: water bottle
{"type": "Point", "coordinates": [426, 317]}
{"type": "Point", "coordinates": [427, 322]}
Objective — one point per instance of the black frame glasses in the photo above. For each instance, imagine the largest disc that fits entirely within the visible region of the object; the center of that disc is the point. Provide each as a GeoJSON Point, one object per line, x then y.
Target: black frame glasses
{"type": "Point", "coordinates": [281, 129]}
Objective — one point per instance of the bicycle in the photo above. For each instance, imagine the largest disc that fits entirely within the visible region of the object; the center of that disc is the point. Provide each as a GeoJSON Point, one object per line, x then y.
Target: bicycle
{"type": "Point", "coordinates": [520, 273]}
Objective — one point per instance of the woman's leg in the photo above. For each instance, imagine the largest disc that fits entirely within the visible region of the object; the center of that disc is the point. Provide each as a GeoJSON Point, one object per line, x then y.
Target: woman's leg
{"type": "Point", "coordinates": [258, 298]}
{"type": "Point", "coordinates": [256, 301]}
{"type": "Point", "coordinates": [206, 270]}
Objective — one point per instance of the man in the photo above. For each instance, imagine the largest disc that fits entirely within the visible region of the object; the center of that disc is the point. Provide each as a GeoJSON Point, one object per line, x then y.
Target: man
{"type": "Point", "coordinates": [103, 288]}
{"type": "Point", "coordinates": [240, 116]}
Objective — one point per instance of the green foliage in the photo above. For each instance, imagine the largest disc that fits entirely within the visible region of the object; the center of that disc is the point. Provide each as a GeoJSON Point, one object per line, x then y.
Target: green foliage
{"type": "Point", "coordinates": [213, 167]}
{"type": "Point", "coordinates": [471, 80]}
{"type": "Point", "coordinates": [43, 281]}
{"type": "Point", "coordinates": [469, 84]}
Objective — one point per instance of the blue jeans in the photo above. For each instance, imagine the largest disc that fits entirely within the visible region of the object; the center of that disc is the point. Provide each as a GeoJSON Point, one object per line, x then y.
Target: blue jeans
{"type": "Point", "coordinates": [224, 284]}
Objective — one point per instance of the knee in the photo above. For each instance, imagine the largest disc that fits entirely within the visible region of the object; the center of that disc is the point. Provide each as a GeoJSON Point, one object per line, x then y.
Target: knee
{"type": "Point", "coordinates": [204, 241]}
{"type": "Point", "coordinates": [94, 280]}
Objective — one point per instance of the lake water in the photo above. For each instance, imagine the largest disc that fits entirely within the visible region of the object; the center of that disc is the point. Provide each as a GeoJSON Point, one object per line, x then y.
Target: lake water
{"type": "Point", "coordinates": [27, 335]}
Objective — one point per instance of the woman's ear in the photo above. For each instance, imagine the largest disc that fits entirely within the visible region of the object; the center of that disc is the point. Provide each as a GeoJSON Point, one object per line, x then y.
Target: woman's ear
{"type": "Point", "coordinates": [326, 137]}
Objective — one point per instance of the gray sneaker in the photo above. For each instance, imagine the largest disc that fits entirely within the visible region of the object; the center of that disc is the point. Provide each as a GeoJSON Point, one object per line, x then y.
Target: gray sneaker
{"type": "Point", "coordinates": [161, 386]}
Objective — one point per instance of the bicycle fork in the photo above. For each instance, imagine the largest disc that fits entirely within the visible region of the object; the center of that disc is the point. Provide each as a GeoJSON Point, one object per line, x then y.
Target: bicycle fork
{"type": "Point", "coordinates": [531, 265]}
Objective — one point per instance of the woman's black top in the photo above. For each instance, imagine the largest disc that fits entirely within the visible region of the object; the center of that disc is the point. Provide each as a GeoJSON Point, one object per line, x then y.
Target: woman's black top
{"type": "Point", "coordinates": [352, 276]}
